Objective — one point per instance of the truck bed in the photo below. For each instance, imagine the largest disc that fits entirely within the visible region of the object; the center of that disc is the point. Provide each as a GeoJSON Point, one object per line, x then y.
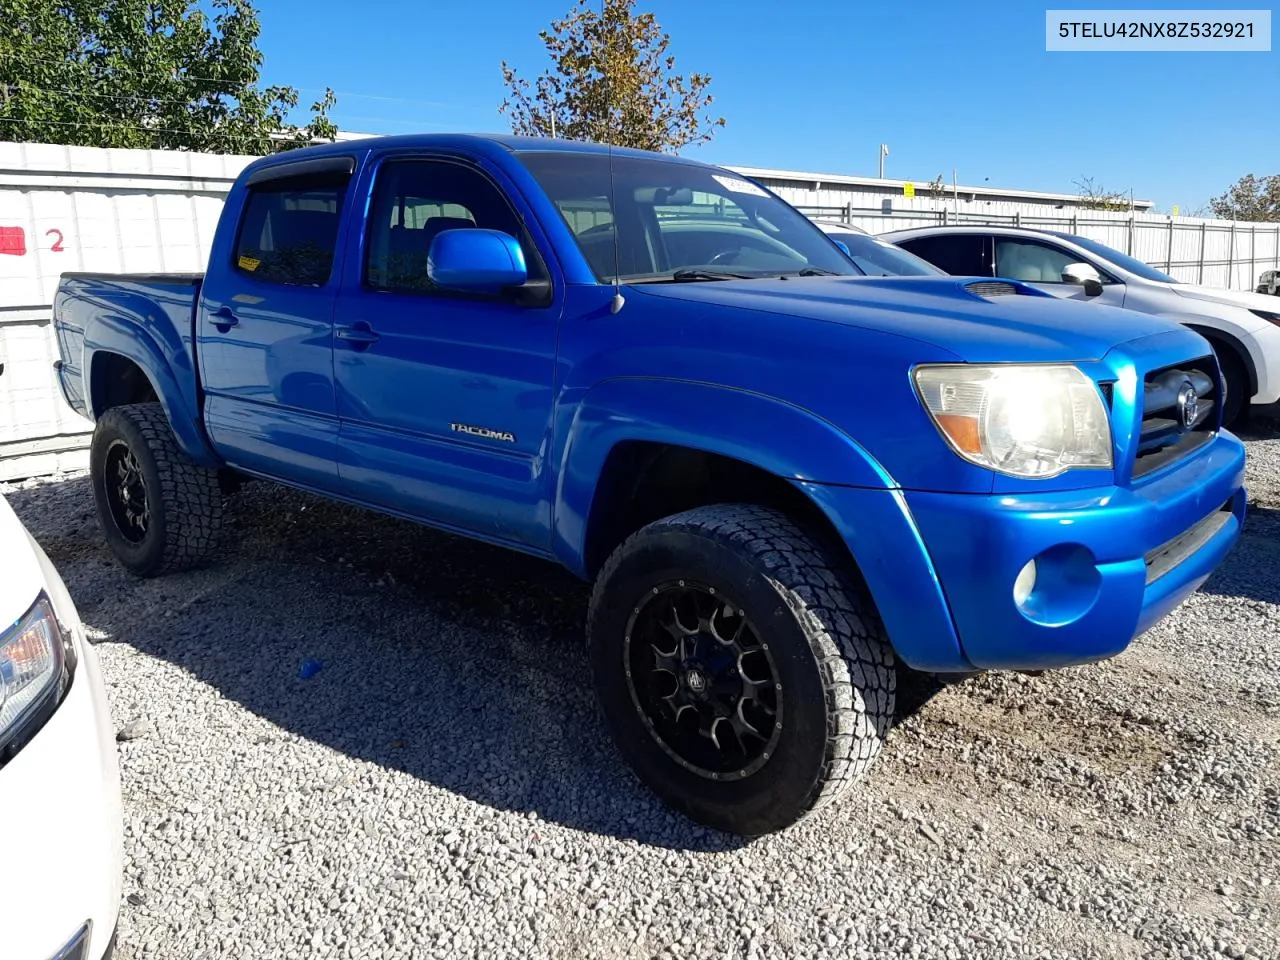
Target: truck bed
{"type": "Point", "coordinates": [151, 311]}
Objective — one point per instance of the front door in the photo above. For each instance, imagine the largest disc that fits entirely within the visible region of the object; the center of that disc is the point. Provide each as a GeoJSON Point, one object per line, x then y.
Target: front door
{"type": "Point", "coordinates": [444, 399]}
{"type": "Point", "coordinates": [1040, 265]}
{"type": "Point", "coordinates": [266, 325]}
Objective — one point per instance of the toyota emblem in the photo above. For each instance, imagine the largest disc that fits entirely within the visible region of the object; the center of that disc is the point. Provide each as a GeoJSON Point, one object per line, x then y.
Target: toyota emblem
{"type": "Point", "coordinates": [1188, 406]}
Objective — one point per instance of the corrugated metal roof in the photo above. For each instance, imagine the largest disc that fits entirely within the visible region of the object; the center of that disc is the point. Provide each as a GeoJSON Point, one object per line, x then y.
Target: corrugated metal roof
{"type": "Point", "coordinates": [895, 186]}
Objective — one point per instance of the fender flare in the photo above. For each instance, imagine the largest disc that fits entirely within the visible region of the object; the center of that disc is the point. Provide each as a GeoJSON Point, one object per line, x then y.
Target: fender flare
{"type": "Point", "coordinates": [120, 336]}
{"type": "Point", "coordinates": [804, 448]}
{"type": "Point", "coordinates": [1216, 336]}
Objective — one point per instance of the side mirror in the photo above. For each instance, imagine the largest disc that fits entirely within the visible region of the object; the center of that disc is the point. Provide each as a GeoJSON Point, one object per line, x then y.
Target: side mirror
{"type": "Point", "coordinates": [476, 260]}
{"type": "Point", "coordinates": [845, 247]}
{"type": "Point", "coordinates": [1083, 274]}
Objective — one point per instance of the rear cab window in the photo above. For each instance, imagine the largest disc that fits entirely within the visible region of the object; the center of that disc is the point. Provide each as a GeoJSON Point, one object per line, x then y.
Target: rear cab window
{"type": "Point", "coordinates": [288, 230]}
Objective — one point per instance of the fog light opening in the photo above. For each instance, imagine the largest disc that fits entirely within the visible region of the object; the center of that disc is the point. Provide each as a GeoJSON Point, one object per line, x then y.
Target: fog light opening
{"type": "Point", "coordinates": [1025, 583]}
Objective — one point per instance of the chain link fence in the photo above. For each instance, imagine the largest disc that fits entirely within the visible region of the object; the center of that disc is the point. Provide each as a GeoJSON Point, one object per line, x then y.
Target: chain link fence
{"type": "Point", "coordinates": [1215, 253]}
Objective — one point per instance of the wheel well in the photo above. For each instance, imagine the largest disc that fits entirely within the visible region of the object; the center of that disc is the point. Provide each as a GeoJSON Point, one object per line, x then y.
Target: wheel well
{"type": "Point", "coordinates": [643, 482]}
{"type": "Point", "coordinates": [116, 380]}
{"type": "Point", "coordinates": [1220, 341]}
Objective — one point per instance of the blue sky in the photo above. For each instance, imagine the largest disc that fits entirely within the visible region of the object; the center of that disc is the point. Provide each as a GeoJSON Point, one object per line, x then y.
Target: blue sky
{"type": "Point", "coordinates": [819, 85]}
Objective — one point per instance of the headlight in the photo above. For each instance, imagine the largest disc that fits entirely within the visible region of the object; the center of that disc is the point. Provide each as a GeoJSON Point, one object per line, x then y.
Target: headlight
{"type": "Point", "coordinates": [1024, 421]}
{"type": "Point", "coordinates": [35, 666]}
{"type": "Point", "coordinates": [1268, 316]}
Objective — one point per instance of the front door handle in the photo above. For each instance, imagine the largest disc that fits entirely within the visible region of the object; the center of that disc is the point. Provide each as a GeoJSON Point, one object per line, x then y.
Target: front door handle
{"type": "Point", "coordinates": [224, 319]}
{"type": "Point", "coordinates": [359, 335]}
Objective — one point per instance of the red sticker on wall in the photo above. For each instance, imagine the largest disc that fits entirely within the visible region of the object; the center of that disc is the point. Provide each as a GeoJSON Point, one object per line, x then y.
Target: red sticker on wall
{"type": "Point", "coordinates": [13, 241]}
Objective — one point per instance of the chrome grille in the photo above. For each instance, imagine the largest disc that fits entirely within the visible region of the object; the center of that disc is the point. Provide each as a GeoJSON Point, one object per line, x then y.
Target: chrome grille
{"type": "Point", "coordinates": [1179, 413]}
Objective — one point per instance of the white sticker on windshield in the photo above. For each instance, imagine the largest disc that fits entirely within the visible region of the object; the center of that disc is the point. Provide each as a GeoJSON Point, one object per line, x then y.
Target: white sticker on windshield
{"type": "Point", "coordinates": [738, 186]}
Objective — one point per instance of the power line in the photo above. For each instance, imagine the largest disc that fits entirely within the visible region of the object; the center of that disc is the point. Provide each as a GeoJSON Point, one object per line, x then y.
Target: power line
{"type": "Point", "coordinates": [266, 138]}
{"type": "Point", "coordinates": [224, 80]}
{"type": "Point", "coordinates": [195, 101]}
{"type": "Point", "coordinates": [144, 98]}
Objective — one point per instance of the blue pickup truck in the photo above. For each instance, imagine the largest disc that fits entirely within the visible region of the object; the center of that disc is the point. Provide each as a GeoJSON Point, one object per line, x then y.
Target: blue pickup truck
{"type": "Point", "coordinates": [785, 479]}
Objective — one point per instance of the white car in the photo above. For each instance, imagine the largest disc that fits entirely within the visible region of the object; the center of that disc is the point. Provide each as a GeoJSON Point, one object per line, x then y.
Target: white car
{"type": "Point", "coordinates": [1244, 327]}
{"type": "Point", "coordinates": [875, 257]}
{"type": "Point", "coordinates": [61, 852]}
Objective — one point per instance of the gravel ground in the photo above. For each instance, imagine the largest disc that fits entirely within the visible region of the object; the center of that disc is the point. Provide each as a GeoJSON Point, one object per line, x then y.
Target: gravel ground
{"type": "Point", "coordinates": [442, 786]}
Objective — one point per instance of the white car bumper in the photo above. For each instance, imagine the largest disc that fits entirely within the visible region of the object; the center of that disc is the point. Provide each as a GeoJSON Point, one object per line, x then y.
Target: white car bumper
{"type": "Point", "coordinates": [61, 853]}
{"type": "Point", "coordinates": [1263, 345]}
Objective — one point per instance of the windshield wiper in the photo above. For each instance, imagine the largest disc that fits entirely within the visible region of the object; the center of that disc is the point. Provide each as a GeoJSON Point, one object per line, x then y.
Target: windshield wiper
{"type": "Point", "coordinates": [816, 272]}
{"type": "Point", "coordinates": [693, 274]}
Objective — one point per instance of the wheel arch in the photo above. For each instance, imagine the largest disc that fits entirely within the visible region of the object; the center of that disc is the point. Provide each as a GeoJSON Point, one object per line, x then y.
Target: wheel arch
{"type": "Point", "coordinates": [627, 432]}
{"type": "Point", "coordinates": [122, 365]}
{"type": "Point", "coordinates": [1218, 339]}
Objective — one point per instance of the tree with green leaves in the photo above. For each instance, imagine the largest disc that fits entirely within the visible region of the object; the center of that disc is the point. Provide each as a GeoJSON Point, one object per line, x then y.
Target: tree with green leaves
{"type": "Point", "coordinates": [611, 80]}
{"type": "Point", "coordinates": [1250, 198]}
{"type": "Point", "coordinates": [156, 74]}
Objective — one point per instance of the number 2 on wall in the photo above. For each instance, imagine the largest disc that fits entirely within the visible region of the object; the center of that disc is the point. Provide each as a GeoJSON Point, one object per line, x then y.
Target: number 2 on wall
{"type": "Point", "coordinates": [57, 244]}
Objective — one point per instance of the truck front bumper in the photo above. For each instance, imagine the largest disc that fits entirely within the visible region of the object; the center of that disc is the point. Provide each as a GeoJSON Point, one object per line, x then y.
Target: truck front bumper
{"type": "Point", "coordinates": [1108, 563]}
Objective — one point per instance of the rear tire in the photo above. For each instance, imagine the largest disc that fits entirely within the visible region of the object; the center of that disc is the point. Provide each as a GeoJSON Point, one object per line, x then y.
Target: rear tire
{"type": "Point", "coordinates": [735, 612]}
{"type": "Point", "coordinates": [160, 512]}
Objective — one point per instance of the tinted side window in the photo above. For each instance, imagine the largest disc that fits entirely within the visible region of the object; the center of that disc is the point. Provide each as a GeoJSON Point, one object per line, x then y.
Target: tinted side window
{"type": "Point", "coordinates": [959, 254]}
{"type": "Point", "coordinates": [413, 201]}
{"type": "Point", "coordinates": [289, 229]}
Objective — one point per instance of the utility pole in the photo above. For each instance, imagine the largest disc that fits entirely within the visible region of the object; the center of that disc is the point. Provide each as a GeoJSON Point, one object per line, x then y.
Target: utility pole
{"type": "Point", "coordinates": [553, 126]}
{"type": "Point", "coordinates": [955, 194]}
{"type": "Point", "coordinates": [884, 152]}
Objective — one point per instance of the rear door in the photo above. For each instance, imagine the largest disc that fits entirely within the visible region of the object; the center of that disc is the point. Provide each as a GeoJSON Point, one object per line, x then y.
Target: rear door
{"type": "Point", "coordinates": [266, 324]}
{"type": "Point", "coordinates": [1040, 264]}
{"type": "Point", "coordinates": [959, 254]}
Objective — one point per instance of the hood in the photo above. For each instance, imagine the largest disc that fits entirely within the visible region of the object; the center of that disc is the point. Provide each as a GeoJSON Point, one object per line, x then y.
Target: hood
{"type": "Point", "coordinates": [1238, 298]}
{"type": "Point", "coordinates": [21, 579]}
{"type": "Point", "coordinates": [941, 311]}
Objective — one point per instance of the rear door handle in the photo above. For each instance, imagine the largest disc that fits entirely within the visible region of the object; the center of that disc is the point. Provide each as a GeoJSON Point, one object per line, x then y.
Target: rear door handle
{"type": "Point", "coordinates": [224, 319]}
{"type": "Point", "coordinates": [359, 334]}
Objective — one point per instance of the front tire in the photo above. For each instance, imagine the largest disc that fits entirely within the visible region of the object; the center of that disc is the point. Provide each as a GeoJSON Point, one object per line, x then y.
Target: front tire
{"type": "Point", "coordinates": [742, 671]}
{"type": "Point", "coordinates": [160, 512]}
{"type": "Point", "coordinates": [1235, 381]}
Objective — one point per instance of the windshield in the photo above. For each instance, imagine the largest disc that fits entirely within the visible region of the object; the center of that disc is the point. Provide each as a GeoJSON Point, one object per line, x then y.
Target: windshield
{"type": "Point", "coordinates": [1123, 261]}
{"type": "Point", "coordinates": [679, 221]}
{"type": "Point", "coordinates": [879, 258]}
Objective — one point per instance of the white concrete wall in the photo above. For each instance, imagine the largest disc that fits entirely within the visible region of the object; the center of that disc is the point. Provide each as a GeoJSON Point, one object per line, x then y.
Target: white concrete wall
{"type": "Point", "coordinates": [77, 208]}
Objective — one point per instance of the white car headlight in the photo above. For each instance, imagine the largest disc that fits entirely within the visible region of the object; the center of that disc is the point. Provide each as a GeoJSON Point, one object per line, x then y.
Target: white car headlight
{"type": "Point", "coordinates": [1033, 420]}
{"type": "Point", "coordinates": [34, 669]}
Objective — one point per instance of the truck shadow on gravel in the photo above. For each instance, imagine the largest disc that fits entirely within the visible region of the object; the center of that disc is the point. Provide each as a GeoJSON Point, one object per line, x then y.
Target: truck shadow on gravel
{"type": "Point", "coordinates": [459, 664]}
{"type": "Point", "coordinates": [1252, 569]}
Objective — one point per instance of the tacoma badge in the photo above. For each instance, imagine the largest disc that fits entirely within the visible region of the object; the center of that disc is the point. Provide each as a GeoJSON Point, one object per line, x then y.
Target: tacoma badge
{"type": "Point", "coordinates": [483, 432]}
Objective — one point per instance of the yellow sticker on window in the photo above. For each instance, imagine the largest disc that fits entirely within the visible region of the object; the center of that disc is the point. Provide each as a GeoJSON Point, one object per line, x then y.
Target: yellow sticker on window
{"type": "Point", "coordinates": [250, 264]}
{"type": "Point", "coordinates": [908, 189]}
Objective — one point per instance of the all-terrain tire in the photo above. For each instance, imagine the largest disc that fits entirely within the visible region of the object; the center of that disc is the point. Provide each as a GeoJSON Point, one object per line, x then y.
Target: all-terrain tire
{"type": "Point", "coordinates": [835, 668]}
{"type": "Point", "coordinates": [183, 500]}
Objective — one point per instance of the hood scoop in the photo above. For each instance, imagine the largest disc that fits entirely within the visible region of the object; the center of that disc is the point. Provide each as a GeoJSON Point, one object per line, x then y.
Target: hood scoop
{"type": "Point", "coordinates": [991, 288]}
